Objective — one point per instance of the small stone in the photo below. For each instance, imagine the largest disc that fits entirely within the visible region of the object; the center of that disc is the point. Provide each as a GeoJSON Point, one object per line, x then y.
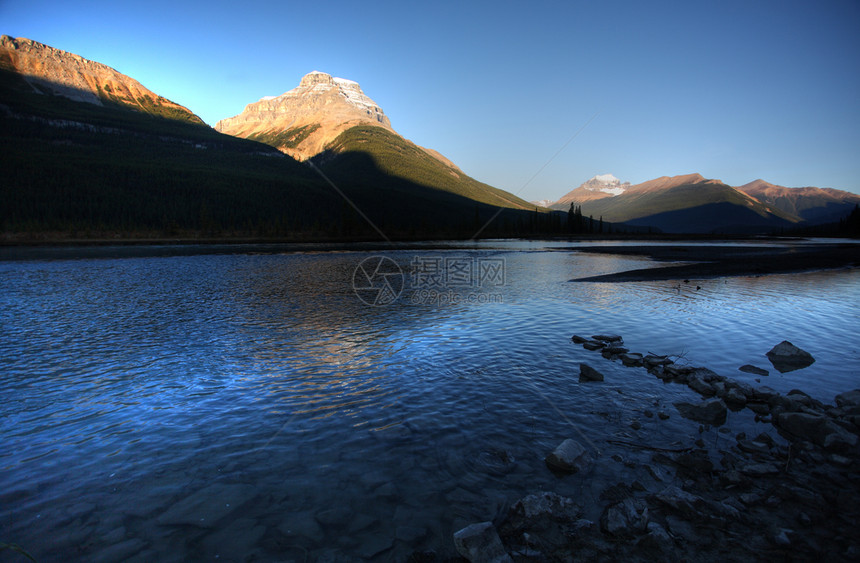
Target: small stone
{"type": "Point", "coordinates": [578, 339]}
{"type": "Point", "coordinates": [648, 413]}
{"type": "Point", "coordinates": [480, 543]}
{"type": "Point", "coordinates": [593, 345]}
{"type": "Point", "coordinates": [635, 425]}
{"type": "Point", "coordinates": [569, 457]}
{"type": "Point", "coordinates": [662, 415]}
{"type": "Point", "coordinates": [760, 469]}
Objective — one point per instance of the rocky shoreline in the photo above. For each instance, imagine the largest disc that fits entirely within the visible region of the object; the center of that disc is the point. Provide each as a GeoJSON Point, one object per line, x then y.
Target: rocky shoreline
{"type": "Point", "coordinates": [790, 494]}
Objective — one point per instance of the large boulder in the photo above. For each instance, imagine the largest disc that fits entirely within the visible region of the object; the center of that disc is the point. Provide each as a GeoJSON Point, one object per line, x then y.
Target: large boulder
{"type": "Point", "coordinates": [569, 457]}
{"type": "Point", "coordinates": [817, 429]}
{"type": "Point", "coordinates": [786, 357]}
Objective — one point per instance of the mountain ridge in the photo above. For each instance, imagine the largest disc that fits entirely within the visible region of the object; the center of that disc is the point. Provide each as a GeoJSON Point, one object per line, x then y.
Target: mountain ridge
{"type": "Point", "coordinates": [47, 69]}
{"type": "Point", "coordinates": [662, 202]}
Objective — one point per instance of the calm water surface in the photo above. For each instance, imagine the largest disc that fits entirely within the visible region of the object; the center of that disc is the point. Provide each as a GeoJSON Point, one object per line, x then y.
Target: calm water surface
{"type": "Point", "coordinates": [252, 407]}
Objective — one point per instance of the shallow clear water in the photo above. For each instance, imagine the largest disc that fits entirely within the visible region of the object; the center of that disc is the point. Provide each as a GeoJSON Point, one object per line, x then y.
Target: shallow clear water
{"type": "Point", "coordinates": [138, 393]}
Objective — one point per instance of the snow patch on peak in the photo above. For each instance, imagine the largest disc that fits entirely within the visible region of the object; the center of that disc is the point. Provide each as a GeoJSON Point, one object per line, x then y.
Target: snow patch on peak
{"type": "Point", "coordinates": [345, 82]}
{"type": "Point", "coordinates": [607, 179]}
{"type": "Point", "coordinates": [613, 191]}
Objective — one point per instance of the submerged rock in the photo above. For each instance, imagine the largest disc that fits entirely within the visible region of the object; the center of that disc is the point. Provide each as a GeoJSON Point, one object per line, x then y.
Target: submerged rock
{"type": "Point", "coordinates": [588, 373]}
{"type": "Point", "coordinates": [748, 368]}
{"type": "Point", "coordinates": [208, 505]}
{"type": "Point", "coordinates": [480, 543]}
{"type": "Point", "coordinates": [593, 345]}
{"type": "Point", "coordinates": [712, 411]}
{"type": "Point", "coordinates": [569, 457]}
{"type": "Point", "coordinates": [786, 357]}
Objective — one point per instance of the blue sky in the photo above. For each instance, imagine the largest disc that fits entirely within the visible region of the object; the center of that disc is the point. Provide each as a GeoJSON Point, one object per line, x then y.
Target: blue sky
{"type": "Point", "coordinates": [732, 90]}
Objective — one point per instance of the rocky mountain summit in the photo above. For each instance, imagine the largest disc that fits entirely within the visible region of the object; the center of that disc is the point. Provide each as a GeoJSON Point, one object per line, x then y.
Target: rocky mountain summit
{"type": "Point", "coordinates": [304, 120]}
{"type": "Point", "coordinates": [598, 187]}
{"type": "Point", "coordinates": [53, 71]}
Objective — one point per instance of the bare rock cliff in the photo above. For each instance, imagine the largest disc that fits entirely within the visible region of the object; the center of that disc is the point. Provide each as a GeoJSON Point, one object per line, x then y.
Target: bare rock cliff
{"type": "Point", "coordinates": [53, 71]}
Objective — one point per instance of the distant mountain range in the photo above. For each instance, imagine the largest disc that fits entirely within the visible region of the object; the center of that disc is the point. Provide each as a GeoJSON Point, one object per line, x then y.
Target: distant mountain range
{"type": "Point", "coordinates": [693, 204]}
{"type": "Point", "coordinates": [91, 153]}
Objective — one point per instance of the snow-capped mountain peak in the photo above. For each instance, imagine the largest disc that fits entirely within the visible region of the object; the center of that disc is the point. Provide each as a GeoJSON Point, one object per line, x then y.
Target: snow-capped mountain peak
{"type": "Point", "coordinates": [606, 183]}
